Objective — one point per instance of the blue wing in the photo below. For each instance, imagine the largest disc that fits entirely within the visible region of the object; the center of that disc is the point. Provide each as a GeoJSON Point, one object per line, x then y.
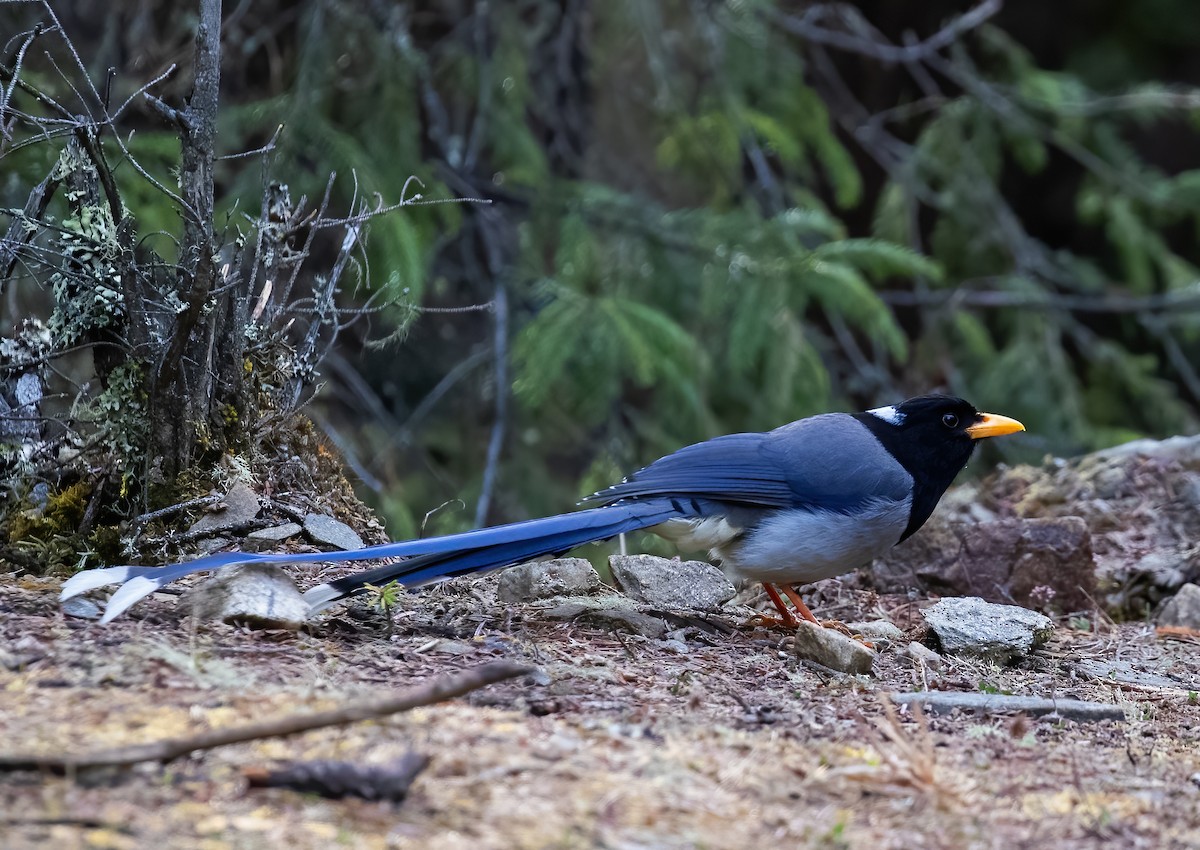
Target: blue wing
{"type": "Point", "coordinates": [828, 462]}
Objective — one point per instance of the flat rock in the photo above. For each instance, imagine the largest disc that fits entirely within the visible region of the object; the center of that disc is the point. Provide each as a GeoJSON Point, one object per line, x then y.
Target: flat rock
{"type": "Point", "coordinates": [547, 579]}
{"type": "Point", "coordinates": [326, 529]}
{"type": "Point", "coordinates": [831, 649]}
{"type": "Point", "coordinates": [277, 532]}
{"type": "Point", "coordinates": [239, 506]}
{"type": "Point", "coordinates": [671, 584]}
{"type": "Point", "coordinates": [999, 633]}
{"type": "Point", "coordinates": [82, 608]}
{"type": "Point", "coordinates": [259, 595]}
{"type": "Point", "coordinates": [1182, 609]}
{"type": "Point", "coordinates": [1129, 673]}
{"type": "Point", "coordinates": [1041, 563]}
{"type": "Point", "coordinates": [610, 612]}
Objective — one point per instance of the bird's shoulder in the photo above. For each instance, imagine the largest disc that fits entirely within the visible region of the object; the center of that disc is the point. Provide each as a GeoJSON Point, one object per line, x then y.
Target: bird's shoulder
{"type": "Point", "coordinates": [829, 461]}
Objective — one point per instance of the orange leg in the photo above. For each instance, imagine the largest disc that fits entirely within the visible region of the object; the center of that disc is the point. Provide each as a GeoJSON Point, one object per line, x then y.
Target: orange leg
{"type": "Point", "coordinates": [801, 608]}
{"type": "Point", "coordinates": [786, 615]}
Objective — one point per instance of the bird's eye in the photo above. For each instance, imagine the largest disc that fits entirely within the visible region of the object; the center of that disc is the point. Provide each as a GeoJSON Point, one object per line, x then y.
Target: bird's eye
{"type": "Point", "coordinates": [950, 420]}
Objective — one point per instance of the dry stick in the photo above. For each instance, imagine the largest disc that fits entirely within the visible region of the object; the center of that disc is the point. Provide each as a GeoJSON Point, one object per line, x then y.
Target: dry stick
{"type": "Point", "coordinates": [439, 690]}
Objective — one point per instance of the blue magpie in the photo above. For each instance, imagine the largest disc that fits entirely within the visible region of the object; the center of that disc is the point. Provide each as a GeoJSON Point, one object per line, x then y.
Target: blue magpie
{"type": "Point", "coordinates": [809, 500]}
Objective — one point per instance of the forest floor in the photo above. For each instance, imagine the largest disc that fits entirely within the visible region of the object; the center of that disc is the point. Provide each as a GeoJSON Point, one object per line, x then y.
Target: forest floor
{"type": "Point", "coordinates": [714, 738]}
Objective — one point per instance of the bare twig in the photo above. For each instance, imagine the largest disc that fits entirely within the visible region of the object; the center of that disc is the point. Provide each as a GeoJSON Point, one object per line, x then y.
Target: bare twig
{"type": "Point", "coordinates": [429, 693]}
{"type": "Point", "coordinates": [170, 510]}
{"type": "Point", "coordinates": [943, 701]}
{"type": "Point", "coordinates": [496, 441]}
{"type": "Point", "coordinates": [1176, 301]}
{"type": "Point", "coordinates": [806, 26]}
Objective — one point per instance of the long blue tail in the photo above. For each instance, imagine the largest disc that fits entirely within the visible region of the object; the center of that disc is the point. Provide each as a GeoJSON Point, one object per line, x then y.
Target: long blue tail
{"type": "Point", "coordinates": [427, 560]}
{"type": "Point", "coordinates": [502, 546]}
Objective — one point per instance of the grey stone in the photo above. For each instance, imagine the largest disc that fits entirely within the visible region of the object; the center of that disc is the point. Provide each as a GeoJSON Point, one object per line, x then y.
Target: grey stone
{"type": "Point", "coordinates": [259, 595]}
{"type": "Point", "coordinates": [1000, 633]}
{"type": "Point", "coordinates": [1182, 609]}
{"type": "Point", "coordinates": [611, 612]}
{"type": "Point", "coordinates": [1127, 672]}
{"type": "Point", "coordinates": [831, 649]}
{"type": "Point", "coordinates": [878, 631]}
{"type": "Point", "coordinates": [239, 506]}
{"type": "Point", "coordinates": [547, 579]}
{"type": "Point", "coordinates": [82, 608]}
{"type": "Point", "coordinates": [326, 529]}
{"type": "Point", "coordinates": [277, 532]}
{"type": "Point", "coordinates": [671, 584]}
{"type": "Point", "coordinates": [926, 657]}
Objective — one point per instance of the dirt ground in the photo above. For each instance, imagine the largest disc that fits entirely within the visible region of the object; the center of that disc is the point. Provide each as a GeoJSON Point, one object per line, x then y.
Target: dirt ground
{"type": "Point", "coordinates": [715, 737]}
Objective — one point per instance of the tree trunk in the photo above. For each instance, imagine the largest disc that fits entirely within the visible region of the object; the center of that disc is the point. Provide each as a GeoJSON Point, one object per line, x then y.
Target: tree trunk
{"type": "Point", "coordinates": [184, 403]}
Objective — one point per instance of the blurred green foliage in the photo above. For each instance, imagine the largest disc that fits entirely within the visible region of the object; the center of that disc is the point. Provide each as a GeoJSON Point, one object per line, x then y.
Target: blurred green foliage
{"type": "Point", "coordinates": [709, 217]}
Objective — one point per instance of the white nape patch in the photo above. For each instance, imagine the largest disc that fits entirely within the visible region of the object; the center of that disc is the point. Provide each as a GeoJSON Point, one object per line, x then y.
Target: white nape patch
{"type": "Point", "coordinates": [888, 414]}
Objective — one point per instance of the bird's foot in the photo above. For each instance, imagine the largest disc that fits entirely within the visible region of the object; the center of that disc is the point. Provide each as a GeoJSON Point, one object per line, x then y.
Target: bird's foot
{"type": "Point", "coordinates": [842, 629]}
{"type": "Point", "coordinates": [765, 621]}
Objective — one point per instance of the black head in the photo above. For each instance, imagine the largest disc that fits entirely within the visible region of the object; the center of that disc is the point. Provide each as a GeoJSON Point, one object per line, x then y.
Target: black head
{"type": "Point", "coordinates": [932, 436]}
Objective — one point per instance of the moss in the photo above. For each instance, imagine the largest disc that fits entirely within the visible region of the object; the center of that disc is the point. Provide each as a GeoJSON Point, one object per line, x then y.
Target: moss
{"type": "Point", "coordinates": [46, 542]}
{"type": "Point", "coordinates": [64, 510]}
{"type": "Point", "coordinates": [105, 541]}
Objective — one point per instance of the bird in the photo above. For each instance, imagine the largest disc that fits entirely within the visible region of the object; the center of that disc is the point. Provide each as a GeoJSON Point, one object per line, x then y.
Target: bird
{"type": "Point", "coordinates": [809, 500]}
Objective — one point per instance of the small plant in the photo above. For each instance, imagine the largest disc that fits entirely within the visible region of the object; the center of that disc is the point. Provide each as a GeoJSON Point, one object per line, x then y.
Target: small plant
{"type": "Point", "coordinates": [384, 598]}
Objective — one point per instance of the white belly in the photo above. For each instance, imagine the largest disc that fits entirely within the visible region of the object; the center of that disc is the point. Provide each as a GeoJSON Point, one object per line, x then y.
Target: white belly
{"type": "Point", "coordinates": [794, 546]}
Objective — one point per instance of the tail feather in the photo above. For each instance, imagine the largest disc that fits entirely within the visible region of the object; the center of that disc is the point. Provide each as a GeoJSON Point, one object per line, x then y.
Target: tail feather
{"type": "Point", "coordinates": [428, 560]}
{"type": "Point", "coordinates": [528, 540]}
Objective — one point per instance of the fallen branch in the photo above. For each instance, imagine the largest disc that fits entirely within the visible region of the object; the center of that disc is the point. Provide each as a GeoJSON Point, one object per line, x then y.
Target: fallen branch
{"type": "Point", "coordinates": [940, 702]}
{"type": "Point", "coordinates": [338, 779]}
{"type": "Point", "coordinates": [439, 690]}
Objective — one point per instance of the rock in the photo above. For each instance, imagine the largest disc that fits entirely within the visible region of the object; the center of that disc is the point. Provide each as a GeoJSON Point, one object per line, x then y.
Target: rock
{"type": "Point", "coordinates": [610, 612]}
{"type": "Point", "coordinates": [546, 579]}
{"type": "Point", "coordinates": [239, 506]}
{"type": "Point", "coordinates": [999, 633]}
{"type": "Point", "coordinates": [1139, 501]}
{"type": "Point", "coordinates": [878, 631]}
{"type": "Point", "coordinates": [277, 532]}
{"type": "Point", "coordinates": [925, 657]}
{"type": "Point", "coordinates": [1042, 563]}
{"type": "Point", "coordinates": [1182, 609]}
{"type": "Point", "coordinates": [22, 652]}
{"type": "Point", "coordinates": [326, 529]}
{"type": "Point", "coordinates": [671, 584]}
{"type": "Point", "coordinates": [1131, 673]}
{"type": "Point", "coordinates": [82, 608]}
{"type": "Point", "coordinates": [259, 595]}
{"type": "Point", "coordinates": [831, 649]}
